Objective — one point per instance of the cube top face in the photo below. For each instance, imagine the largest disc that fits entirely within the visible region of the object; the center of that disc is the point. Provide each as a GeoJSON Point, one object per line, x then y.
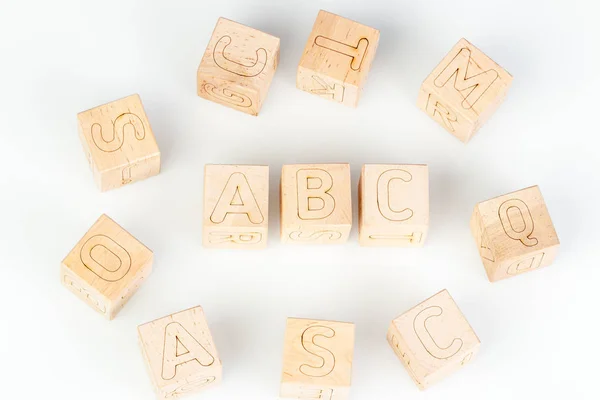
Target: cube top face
{"type": "Point", "coordinates": [318, 353]}
{"type": "Point", "coordinates": [337, 58]}
{"type": "Point", "coordinates": [316, 203]}
{"type": "Point", "coordinates": [236, 206]}
{"type": "Point", "coordinates": [238, 66]}
{"type": "Point", "coordinates": [180, 353]}
{"type": "Point", "coordinates": [394, 205]}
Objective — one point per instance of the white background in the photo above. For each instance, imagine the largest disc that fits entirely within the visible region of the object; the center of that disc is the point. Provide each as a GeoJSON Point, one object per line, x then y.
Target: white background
{"type": "Point", "coordinates": [539, 331]}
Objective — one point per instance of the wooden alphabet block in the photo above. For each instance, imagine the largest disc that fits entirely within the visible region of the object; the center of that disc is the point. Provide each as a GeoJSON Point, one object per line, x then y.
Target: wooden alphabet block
{"type": "Point", "coordinates": [236, 206]}
{"type": "Point", "coordinates": [119, 143]}
{"type": "Point", "coordinates": [337, 59]}
{"type": "Point", "coordinates": [316, 203]}
{"type": "Point", "coordinates": [433, 339]}
{"type": "Point", "coordinates": [180, 353]}
{"type": "Point", "coordinates": [514, 233]}
{"type": "Point", "coordinates": [317, 359]}
{"type": "Point", "coordinates": [238, 66]}
{"type": "Point", "coordinates": [464, 90]}
{"type": "Point", "coordinates": [106, 267]}
{"type": "Point", "coordinates": [393, 205]}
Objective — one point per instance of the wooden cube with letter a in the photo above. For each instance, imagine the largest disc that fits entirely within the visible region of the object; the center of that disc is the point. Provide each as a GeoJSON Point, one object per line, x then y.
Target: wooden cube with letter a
{"type": "Point", "coordinates": [119, 143]}
{"type": "Point", "coordinates": [106, 267]}
{"type": "Point", "coordinates": [180, 353]}
{"type": "Point", "coordinates": [464, 90]}
{"type": "Point", "coordinates": [236, 206]}
{"type": "Point", "coordinates": [316, 203]}
{"type": "Point", "coordinates": [514, 233]}
{"type": "Point", "coordinates": [337, 59]}
{"type": "Point", "coordinates": [317, 359]}
{"type": "Point", "coordinates": [433, 339]}
{"type": "Point", "coordinates": [393, 205]}
{"type": "Point", "coordinates": [238, 66]}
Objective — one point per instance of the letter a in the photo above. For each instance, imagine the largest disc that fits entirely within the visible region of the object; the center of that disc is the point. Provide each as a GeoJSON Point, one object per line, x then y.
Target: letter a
{"type": "Point", "coordinates": [181, 347]}
{"type": "Point", "coordinates": [237, 198]}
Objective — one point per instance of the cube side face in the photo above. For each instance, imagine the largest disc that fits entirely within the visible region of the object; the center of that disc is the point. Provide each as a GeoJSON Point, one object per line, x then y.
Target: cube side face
{"type": "Point", "coordinates": [317, 355]}
{"type": "Point", "coordinates": [394, 205]}
{"type": "Point", "coordinates": [238, 66]}
{"type": "Point", "coordinates": [316, 203]}
{"type": "Point", "coordinates": [236, 206]}
{"type": "Point", "coordinates": [434, 339]}
{"type": "Point", "coordinates": [400, 348]}
{"type": "Point", "coordinates": [484, 246]}
{"type": "Point", "coordinates": [119, 143]}
{"type": "Point", "coordinates": [301, 391]}
{"type": "Point", "coordinates": [106, 267]}
{"type": "Point", "coordinates": [180, 353]}
{"type": "Point", "coordinates": [327, 87]}
{"type": "Point", "coordinates": [444, 114]}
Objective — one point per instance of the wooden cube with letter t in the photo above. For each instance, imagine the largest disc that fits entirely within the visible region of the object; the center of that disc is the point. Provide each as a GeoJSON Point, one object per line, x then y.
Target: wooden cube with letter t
{"type": "Point", "coordinates": [464, 90]}
{"type": "Point", "coordinates": [514, 233]}
{"type": "Point", "coordinates": [316, 203]}
{"type": "Point", "coordinates": [236, 206]}
{"type": "Point", "coordinates": [317, 359]}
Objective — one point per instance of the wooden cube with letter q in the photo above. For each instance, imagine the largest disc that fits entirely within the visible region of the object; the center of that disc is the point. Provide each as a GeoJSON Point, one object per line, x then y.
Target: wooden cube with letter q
{"type": "Point", "coordinates": [316, 203]}
{"type": "Point", "coordinates": [236, 206]}
{"type": "Point", "coordinates": [464, 90]}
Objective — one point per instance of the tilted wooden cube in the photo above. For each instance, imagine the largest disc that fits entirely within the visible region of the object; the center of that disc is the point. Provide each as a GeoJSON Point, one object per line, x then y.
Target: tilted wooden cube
{"type": "Point", "coordinates": [106, 267]}
{"type": "Point", "coordinates": [464, 90]}
{"type": "Point", "coordinates": [119, 143]}
{"type": "Point", "coordinates": [180, 352]}
{"type": "Point", "coordinates": [317, 359]}
{"type": "Point", "coordinates": [393, 205]}
{"type": "Point", "coordinates": [433, 339]}
{"type": "Point", "coordinates": [316, 203]}
{"type": "Point", "coordinates": [238, 66]}
{"type": "Point", "coordinates": [236, 206]}
{"type": "Point", "coordinates": [514, 233]}
{"type": "Point", "coordinates": [337, 59]}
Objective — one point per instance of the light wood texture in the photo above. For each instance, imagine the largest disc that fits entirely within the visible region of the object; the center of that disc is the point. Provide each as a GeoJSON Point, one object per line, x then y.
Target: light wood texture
{"type": "Point", "coordinates": [433, 339]}
{"type": "Point", "coordinates": [236, 206]}
{"type": "Point", "coordinates": [180, 353]}
{"type": "Point", "coordinates": [393, 205]}
{"type": "Point", "coordinates": [106, 267]}
{"type": "Point", "coordinates": [514, 233]}
{"type": "Point", "coordinates": [317, 359]}
{"type": "Point", "coordinates": [337, 59]}
{"type": "Point", "coordinates": [464, 90]}
{"type": "Point", "coordinates": [238, 66]}
{"type": "Point", "coordinates": [119, 143]}
{"type": "Point", "coordinates": [316, 203]}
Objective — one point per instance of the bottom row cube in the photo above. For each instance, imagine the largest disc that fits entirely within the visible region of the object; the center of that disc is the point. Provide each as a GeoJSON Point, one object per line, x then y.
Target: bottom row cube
{"type": "Point", "coordinates": [432, 340]}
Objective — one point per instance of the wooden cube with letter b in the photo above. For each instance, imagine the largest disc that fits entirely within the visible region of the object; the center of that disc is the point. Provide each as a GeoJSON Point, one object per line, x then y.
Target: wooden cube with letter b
{"type": "Point", "coordinates": [464, 90]}
{"type": "Point", "coordinates": [514, 233]}
{"type": "Point", "coordinates": [433, 339]}
{"type": "Point", "coordinates": [317, 359]}
{"type": "Point", "coordinates": [238, 66]}
{"type": "Point", "coordinates": [180, 352]}
{"type": "Point", "coordinates": [393, 205]}
{"type": "Point", "coordinates": [316, 203]}
{"type": "Point", "coordinates": [337, 58]}
{"type": "Point", "coordinates": [236, 206]}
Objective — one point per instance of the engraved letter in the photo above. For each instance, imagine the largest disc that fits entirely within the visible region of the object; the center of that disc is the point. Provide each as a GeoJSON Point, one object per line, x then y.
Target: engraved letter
{"type": "Point", "coordinates": [327, 363]}
{"type": "Point", "coordinates": [237, 198]}
{"type": "Point", "coordinates": [235, 237]}
{"type": "Point", "coordinates": [438, 110]}
{"type": "Point", "coordinates": [122, 122]}
{"type": "Point", "coordinates": [105, 258]}
{"type": "Point", "coordinates": [356, 54]}
{"type": "Point", "coordinates": [314, 200]}
{"type": "Point", "coordinates": [384, 196]}
{"type": "Point", "coordinates": [517, 221]}
{"type": "Point", "coordinates": [236, 67]}
{"type": "Point", "coordinates": [525, 265]}
{"type": "Point", "coordinates": [181, 347]}
{"type": "Point", "coordinates": [427, 340]}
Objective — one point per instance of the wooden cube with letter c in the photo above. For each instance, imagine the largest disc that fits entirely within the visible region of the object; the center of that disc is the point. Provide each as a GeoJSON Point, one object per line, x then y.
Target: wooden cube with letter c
{"type": "Point", "coordinates": [393, 205]}
{"type": "Point", "coordinates": [317, 359]}
{"type": "Point", "coordinates": [464, 90]}
{"type": "Point", "coordinates": [514, 233]}
{"type": "Point", "coordinates": [337, 59]}
{"type": "Point", "coordinates": [238, 66]}
{"type": "Point", "coordinates": [316, 203]}
{"type": "Point", "coordinates": [433, 339]}
{"type": "Point", "coordinates": [236, 206]}
{"type": "Point", "coordinates": [106, 267]}
{"type": "Point", "coordinates": [180, 353]}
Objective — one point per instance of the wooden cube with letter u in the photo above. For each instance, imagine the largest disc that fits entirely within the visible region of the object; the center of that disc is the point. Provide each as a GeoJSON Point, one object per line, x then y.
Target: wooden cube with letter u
{"type": "Point", "coordinates": [317, 359]}
{"type": "Point", "coordinates": [514, 234]}
{"type": "Point", "coordinates": [236, 206]}
{"type": "Point", "coordinates": [316, 203]}
{"type": "Point", "coordinates": [464, 90]}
